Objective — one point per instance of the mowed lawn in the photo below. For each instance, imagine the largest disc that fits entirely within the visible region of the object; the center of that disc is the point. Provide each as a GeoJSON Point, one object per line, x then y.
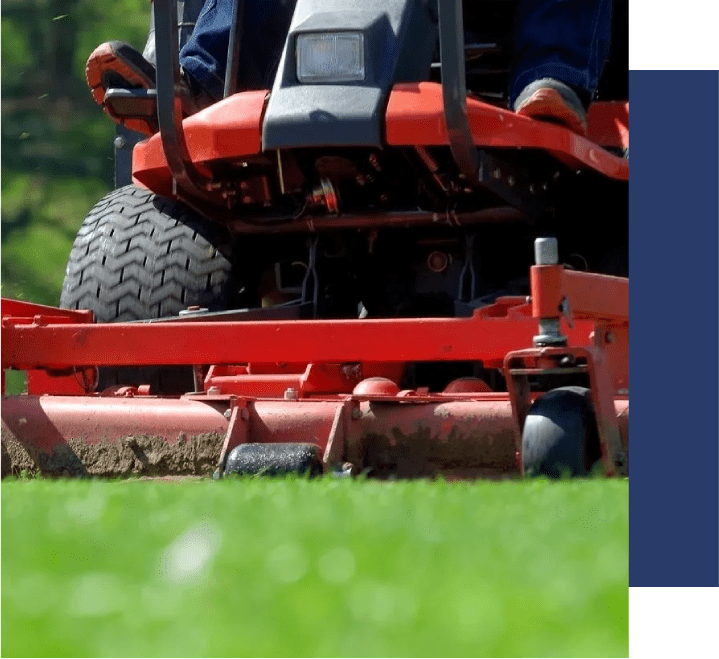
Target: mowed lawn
{"type": "Point", "coordinates": [314, 568]}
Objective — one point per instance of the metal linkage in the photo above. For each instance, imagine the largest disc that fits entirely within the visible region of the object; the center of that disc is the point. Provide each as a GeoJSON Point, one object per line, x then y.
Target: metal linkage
{"type": "Point", "coordinates": [187, 182]}
{"type": "Point", "coordinates": [467, 277]}
{"type": "Point", "coordinates": [454, 88]}
{"type": "Point", "coordinates": [546, 252]}
{"type": "Point", "coordinates": [233, 50]}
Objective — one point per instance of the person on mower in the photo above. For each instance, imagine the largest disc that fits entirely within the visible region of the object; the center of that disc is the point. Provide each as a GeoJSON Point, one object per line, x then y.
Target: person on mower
{"type": "Point", "coordinates": [560, 47]}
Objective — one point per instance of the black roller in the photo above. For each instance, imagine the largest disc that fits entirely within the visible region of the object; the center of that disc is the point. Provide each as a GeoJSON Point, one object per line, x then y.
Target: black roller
{"type": "Point", "coordinates": [274, 459]}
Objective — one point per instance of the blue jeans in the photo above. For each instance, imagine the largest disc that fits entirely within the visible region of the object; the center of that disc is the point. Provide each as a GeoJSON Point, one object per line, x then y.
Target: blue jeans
{"type": "Point", "coordinates": [563, 39]}
{"type": "Point", "coordinates": [264, 30]}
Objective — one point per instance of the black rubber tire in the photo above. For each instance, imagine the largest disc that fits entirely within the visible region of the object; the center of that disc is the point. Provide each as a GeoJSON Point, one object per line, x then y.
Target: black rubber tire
{"type": "Point", "coordinates": [560, 437]}
{"type": "Point", "coordinates": [140, 256]}
{"type": "Point", "coordinates": [274, 460]}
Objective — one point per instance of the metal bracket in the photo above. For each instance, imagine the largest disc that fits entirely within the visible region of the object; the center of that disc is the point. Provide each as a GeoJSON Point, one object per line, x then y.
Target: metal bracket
{"type": "Point", "coordinates": [311, 279]}
{"type": "Point", "coordinates": [233, 49]}
{"type": "Point", "coordinates": [467, 277]}
{"type": "Point", "coordinates": [454, 88]}
{"type": "Point", "coordinates": [187, 181]}
{"type": "Point", "coordinates": [511, 184]}
{"type": "Point", "coordinates": [563, 362]}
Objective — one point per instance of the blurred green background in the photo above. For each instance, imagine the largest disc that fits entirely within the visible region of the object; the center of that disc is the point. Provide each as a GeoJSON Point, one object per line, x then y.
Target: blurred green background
{"type": "Point", "coordinates": [323, 568]}
{"type": "Point", "coordinates": [57, 153]}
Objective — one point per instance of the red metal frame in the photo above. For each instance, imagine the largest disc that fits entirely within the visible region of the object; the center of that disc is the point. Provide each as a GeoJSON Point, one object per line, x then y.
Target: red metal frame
{"type": "Point", "coordinates": [611, 411]}
{"type": "Point", "coordinates": [231, 130]}
{"type": "Point", "coordinates": [332, 383]}
{"type": "Point", "coordinates": [597, 306]}
{"type": "Point", "coordinates": [28, 310]}
{"type": "Point", "coordinates": [415, 117]}
{"type": "Point", "coordinates": [228, 130]}
{"type": "Point", "coordinates": [38, 343]}
{"type": "Point", "coordinates": [597, 311]}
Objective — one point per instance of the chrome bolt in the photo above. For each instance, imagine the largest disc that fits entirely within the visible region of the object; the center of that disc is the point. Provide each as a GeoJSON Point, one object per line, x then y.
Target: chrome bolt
{"type": "Point", "coordinates": [546, 251]}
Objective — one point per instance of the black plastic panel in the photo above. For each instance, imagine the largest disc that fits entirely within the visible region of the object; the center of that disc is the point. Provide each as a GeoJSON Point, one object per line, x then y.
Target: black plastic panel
{"type": "Point", "coordinates": [399, 40]}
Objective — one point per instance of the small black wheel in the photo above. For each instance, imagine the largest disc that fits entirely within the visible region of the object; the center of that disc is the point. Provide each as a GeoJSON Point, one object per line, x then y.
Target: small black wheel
{"type": "Point", "coordinates": [140, 256]}
{"type": "Point", "coordinates": [274, 459]}
{"type": "Point", "coordinates": [560, 434]}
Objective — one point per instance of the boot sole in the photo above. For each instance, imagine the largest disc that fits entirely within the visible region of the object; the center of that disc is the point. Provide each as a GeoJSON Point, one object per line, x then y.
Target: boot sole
{"type": "Point", "coordinates": [548, 105]}
{"type": "Point", "coordinates": [105, 59]}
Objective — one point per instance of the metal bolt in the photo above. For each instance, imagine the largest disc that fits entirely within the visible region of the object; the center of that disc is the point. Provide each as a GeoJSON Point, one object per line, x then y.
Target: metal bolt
{"type": "Point", "coordinates": [546, 251]}
{"type": "Point", "coordinates": [356, 414]}
{"type": "Point", "coordinates": [119, 142]}
{"type": "Point", "coordinates": [438, 261]}
{"type": "Point", "coordinates": [213, 391]}
{"type": "Point", "coordinates": [291, 394]}
{"type": "Point", "coordinates": [227, 413]}
{"type": "Point", "coordinates": [193, 310]}
{"type": "Point", "coordinates": [343, 471]}
{"type": "Point", "coordinates": [510, 181]}
{"type": "Point", "coordinates": [497, 173]}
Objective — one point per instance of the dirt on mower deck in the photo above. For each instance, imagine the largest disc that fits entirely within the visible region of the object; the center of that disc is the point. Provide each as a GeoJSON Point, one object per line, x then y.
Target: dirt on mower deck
{"type": "Point", "coordinates": [137, 455]}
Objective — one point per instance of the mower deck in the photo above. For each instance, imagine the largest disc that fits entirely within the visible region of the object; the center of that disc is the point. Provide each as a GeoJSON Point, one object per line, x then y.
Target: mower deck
{"type": "Point", "coordinates": [273, 382]}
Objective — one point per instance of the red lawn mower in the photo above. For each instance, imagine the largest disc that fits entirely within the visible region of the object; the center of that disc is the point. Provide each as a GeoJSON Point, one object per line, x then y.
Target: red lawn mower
{"type": "Point", "coordinates": [394, 276]}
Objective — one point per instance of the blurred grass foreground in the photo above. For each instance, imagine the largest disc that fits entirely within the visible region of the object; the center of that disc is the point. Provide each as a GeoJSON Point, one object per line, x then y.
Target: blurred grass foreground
{"type": "Point", "coordinates": [315, 568]}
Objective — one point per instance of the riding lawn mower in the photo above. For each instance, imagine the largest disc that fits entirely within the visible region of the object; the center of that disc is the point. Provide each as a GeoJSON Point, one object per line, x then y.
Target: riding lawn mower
{"type": "Point", "coordinates": [382, 271]}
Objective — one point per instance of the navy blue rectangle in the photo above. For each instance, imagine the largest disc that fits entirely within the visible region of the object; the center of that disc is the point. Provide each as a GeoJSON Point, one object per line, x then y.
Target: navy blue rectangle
{"type": "Point", "coordinates": [674, 339]}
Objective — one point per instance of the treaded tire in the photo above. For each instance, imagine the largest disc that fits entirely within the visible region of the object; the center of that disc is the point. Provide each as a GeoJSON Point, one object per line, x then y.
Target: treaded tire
{"type": "Point", "coordinates": [141, 256]}
{"type": "Point", "coordinates": [560, 434]}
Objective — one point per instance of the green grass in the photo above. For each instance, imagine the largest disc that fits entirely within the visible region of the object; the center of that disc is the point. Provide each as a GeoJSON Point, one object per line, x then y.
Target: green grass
{"type": "Point", "coordinates": [321, 568]}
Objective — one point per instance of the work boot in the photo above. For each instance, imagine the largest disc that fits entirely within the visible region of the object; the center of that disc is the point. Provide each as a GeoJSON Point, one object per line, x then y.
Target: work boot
{"type": "Point", "coordinates": [554, 101]}
{"type": "Point", "coordinates": [118, 65]}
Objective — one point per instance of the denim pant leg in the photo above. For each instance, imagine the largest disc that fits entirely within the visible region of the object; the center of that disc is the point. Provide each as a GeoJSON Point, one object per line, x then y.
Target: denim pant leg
{"type": "Point", "coordinates": [564, 39]}
{"type": "Point", "coordinates": [264, 30]}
